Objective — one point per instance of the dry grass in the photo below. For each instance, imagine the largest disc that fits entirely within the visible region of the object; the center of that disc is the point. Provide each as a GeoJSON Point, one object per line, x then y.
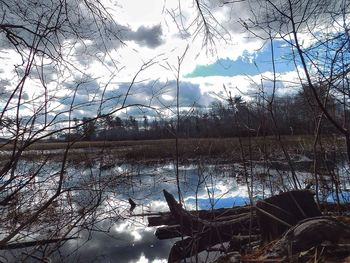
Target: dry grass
{"type": "Point", "coordinates": [228, 148]}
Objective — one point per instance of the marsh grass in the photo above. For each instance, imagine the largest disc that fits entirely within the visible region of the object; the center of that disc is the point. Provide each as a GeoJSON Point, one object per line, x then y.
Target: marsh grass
{"type": "Point", "coordinates": [208, 148]}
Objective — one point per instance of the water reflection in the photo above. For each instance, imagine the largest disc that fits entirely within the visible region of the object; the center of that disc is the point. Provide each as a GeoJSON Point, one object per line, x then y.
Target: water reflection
{"type": "Point", "coordinates": [123, 243]}
{"type": "Point", "coordinates": [129, 239]}
{"type": "Point", "coordinates": [119, 236]}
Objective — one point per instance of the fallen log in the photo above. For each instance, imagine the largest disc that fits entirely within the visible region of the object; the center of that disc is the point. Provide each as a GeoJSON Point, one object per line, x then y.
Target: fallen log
{"type": "Point", "coordinates": [203, 234]}
{"type": "Point", "coordinates": [237, 242]}
{"type": "Point", "coordinates": [278, 213]}
{"type": "Point", "coordinates": [310, 233]}
{"type": "Point", "coordinates": [294, 215]}
{"type": "Point", "coordinates": [191, 246]}
{"type": "Point", "coordinates": [174, 230]}
{"type": "Point", "coordinates": [168, 232]}
{"type": "Point", "coordinates": [166, 218]}
{"type": "Point", "coordinates": [231, 257]}
{"type": "Point", "coordinates": [192, 225]}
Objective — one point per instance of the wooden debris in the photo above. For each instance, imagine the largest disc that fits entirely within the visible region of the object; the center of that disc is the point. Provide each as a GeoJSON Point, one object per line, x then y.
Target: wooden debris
{"type": "Point", "coordinates": [132, 204]}
{"type": "Point", "coordinates": [203, 234]}
{"type": "Point", "coordinates": [163, 219]}
{"type": "Point", "coordinates": [236, 230]}
{"type": "Point", "coordinates": [166, 218]}
{"type": "Point", "coordinates": [237, 242]}
{"type": "Point", "coordinates": [310, 233]}
{"type": "Point", "coordinates": [168, 232]}
{"type": "Point", "coordinates": [278, 213]}
{"type": "Point", "coordinates": [231, 257]}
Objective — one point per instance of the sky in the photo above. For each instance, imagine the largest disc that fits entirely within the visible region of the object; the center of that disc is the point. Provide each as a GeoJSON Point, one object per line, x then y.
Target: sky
{"type": "Point", "coordinates": [237, 61]}
{"type": "Point", "coordinates": [143, 47]}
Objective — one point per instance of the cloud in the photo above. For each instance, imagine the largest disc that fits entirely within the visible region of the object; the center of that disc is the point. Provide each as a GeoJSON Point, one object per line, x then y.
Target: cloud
{"type": "Point", "coordinates": [97, 43]}
{"type": "Point", "coordinates": [141, 99]}
{"type": "Point", "coordinates": [6, 93]}
{"type": "Point", "coordinates": [86, 51]}
{"type": "Point", "coordinates": [152, 93]}
{"type": "Point", "coordinates": [263, 17]}
{"type": "Point", "coordinates": [67, 26]}
{"type": "Point", "coordinates": [117, 245]}
{"type": "Point", "coordinates": [145, 36]}
{"type": "Point", "coordinates": [85, 85]}
{"type": "Point", "coordinates": [3, 84]}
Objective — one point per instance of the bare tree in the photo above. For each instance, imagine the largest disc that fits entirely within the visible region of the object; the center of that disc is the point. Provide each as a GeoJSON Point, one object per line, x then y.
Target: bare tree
{"type": "Point", "coordinates": [50, 42]}
{"type": "Point", "coordinates": [317, 34]}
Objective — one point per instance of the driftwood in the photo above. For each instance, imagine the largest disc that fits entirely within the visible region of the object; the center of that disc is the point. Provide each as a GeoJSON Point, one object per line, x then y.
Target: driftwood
{"type": "Point", "coordinates": [203, 234]}
{"type": "Point", "coordinates": [174, 230]}
{"type": "Point", "coordinates": [278, 213]}
{"type": "Point", "coordinates": [168, 232]}
{"type": "Point", "coordinates": [162, 219]}
{"type": "Point", "coordinates": [237, 242]}
{"type": "Point", "coordinates": [293, 215]}
{"type": "Point", "coordinates": [310, 233]}
{"type": "Point", "coordinates": [166, 218]}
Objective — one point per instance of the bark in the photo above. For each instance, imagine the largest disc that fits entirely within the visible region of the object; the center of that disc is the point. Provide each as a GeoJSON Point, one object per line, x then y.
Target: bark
{"type": "Point", "coordinates": [203, 234]}
{"type": "Point", "coordinates": [210, 215]}
{"type": "Point", "coordinates": [168, 232]}
{"type": "Point", "coordinates": [278, 213]}
{"type": "Point", "coordinates": [207, 230]}
{"type": "Point", "coordinates": [310, 233]}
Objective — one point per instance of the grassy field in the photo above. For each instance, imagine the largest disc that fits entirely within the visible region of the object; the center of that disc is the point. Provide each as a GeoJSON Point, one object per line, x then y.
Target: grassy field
{"type": "Point", "coordinates": [228, 148]}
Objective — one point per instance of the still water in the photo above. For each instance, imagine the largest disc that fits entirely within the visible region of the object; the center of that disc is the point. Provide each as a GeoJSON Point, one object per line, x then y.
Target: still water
{"type": "Point", "coordinates": [122, 236]}
{"type": "Point", "coordinates": [128, 239]}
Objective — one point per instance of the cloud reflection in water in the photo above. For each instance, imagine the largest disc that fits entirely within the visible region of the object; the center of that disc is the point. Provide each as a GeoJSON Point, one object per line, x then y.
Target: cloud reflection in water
{"type": "Point", "coordinates": [130, 240]}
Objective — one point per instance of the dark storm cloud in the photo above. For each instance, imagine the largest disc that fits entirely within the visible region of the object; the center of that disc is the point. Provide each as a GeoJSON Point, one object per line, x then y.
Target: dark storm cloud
{"type": "Point", "coordinates": [89, 28]}
{"type": "Point", "coordinates": [87, 51]}
{"type": "Point", "coordinates": [45, 72]}
{"type": "Point", "coordinates": [30, 18]}
{"type": "Point", "coordinates": [145, 36]}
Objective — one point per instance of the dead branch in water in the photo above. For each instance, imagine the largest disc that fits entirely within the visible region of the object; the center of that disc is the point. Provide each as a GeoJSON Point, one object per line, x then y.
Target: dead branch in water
{"type": "Point", "coordinates": [227, 229]}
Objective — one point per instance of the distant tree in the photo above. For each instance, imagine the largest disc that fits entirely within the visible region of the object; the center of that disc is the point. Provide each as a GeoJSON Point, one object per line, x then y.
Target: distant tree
{"type": "Point", "coordinates": [88, 129]}
{"type": "Point", "coordinates": [145, 122]}
{"type": "Point", "coordinates": [117, 122]}
{"type": "Point", "coordinates": [324, 62]}
{"type": "Point", "coordinates": [132, 124]}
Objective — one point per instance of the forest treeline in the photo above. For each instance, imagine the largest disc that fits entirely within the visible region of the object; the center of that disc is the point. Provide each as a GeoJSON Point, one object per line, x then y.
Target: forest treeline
{"type": "Point", "coordinates": [287, 115]}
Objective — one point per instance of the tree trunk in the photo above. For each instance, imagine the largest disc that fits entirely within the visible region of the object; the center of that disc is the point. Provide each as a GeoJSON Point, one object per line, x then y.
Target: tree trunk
{"type": "Point", "coordinates": [203, 234]}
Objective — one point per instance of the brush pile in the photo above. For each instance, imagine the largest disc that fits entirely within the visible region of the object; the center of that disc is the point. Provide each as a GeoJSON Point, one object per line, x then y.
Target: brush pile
{"type": "Point", "coordinates": [284, 228]}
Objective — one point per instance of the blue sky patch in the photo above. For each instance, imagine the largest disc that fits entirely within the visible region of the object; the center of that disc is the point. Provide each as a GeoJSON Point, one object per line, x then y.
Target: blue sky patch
{"type": "Point", "coordinates": [206, 203]}
{"type": "Point", "coordinates": [249, 64]}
